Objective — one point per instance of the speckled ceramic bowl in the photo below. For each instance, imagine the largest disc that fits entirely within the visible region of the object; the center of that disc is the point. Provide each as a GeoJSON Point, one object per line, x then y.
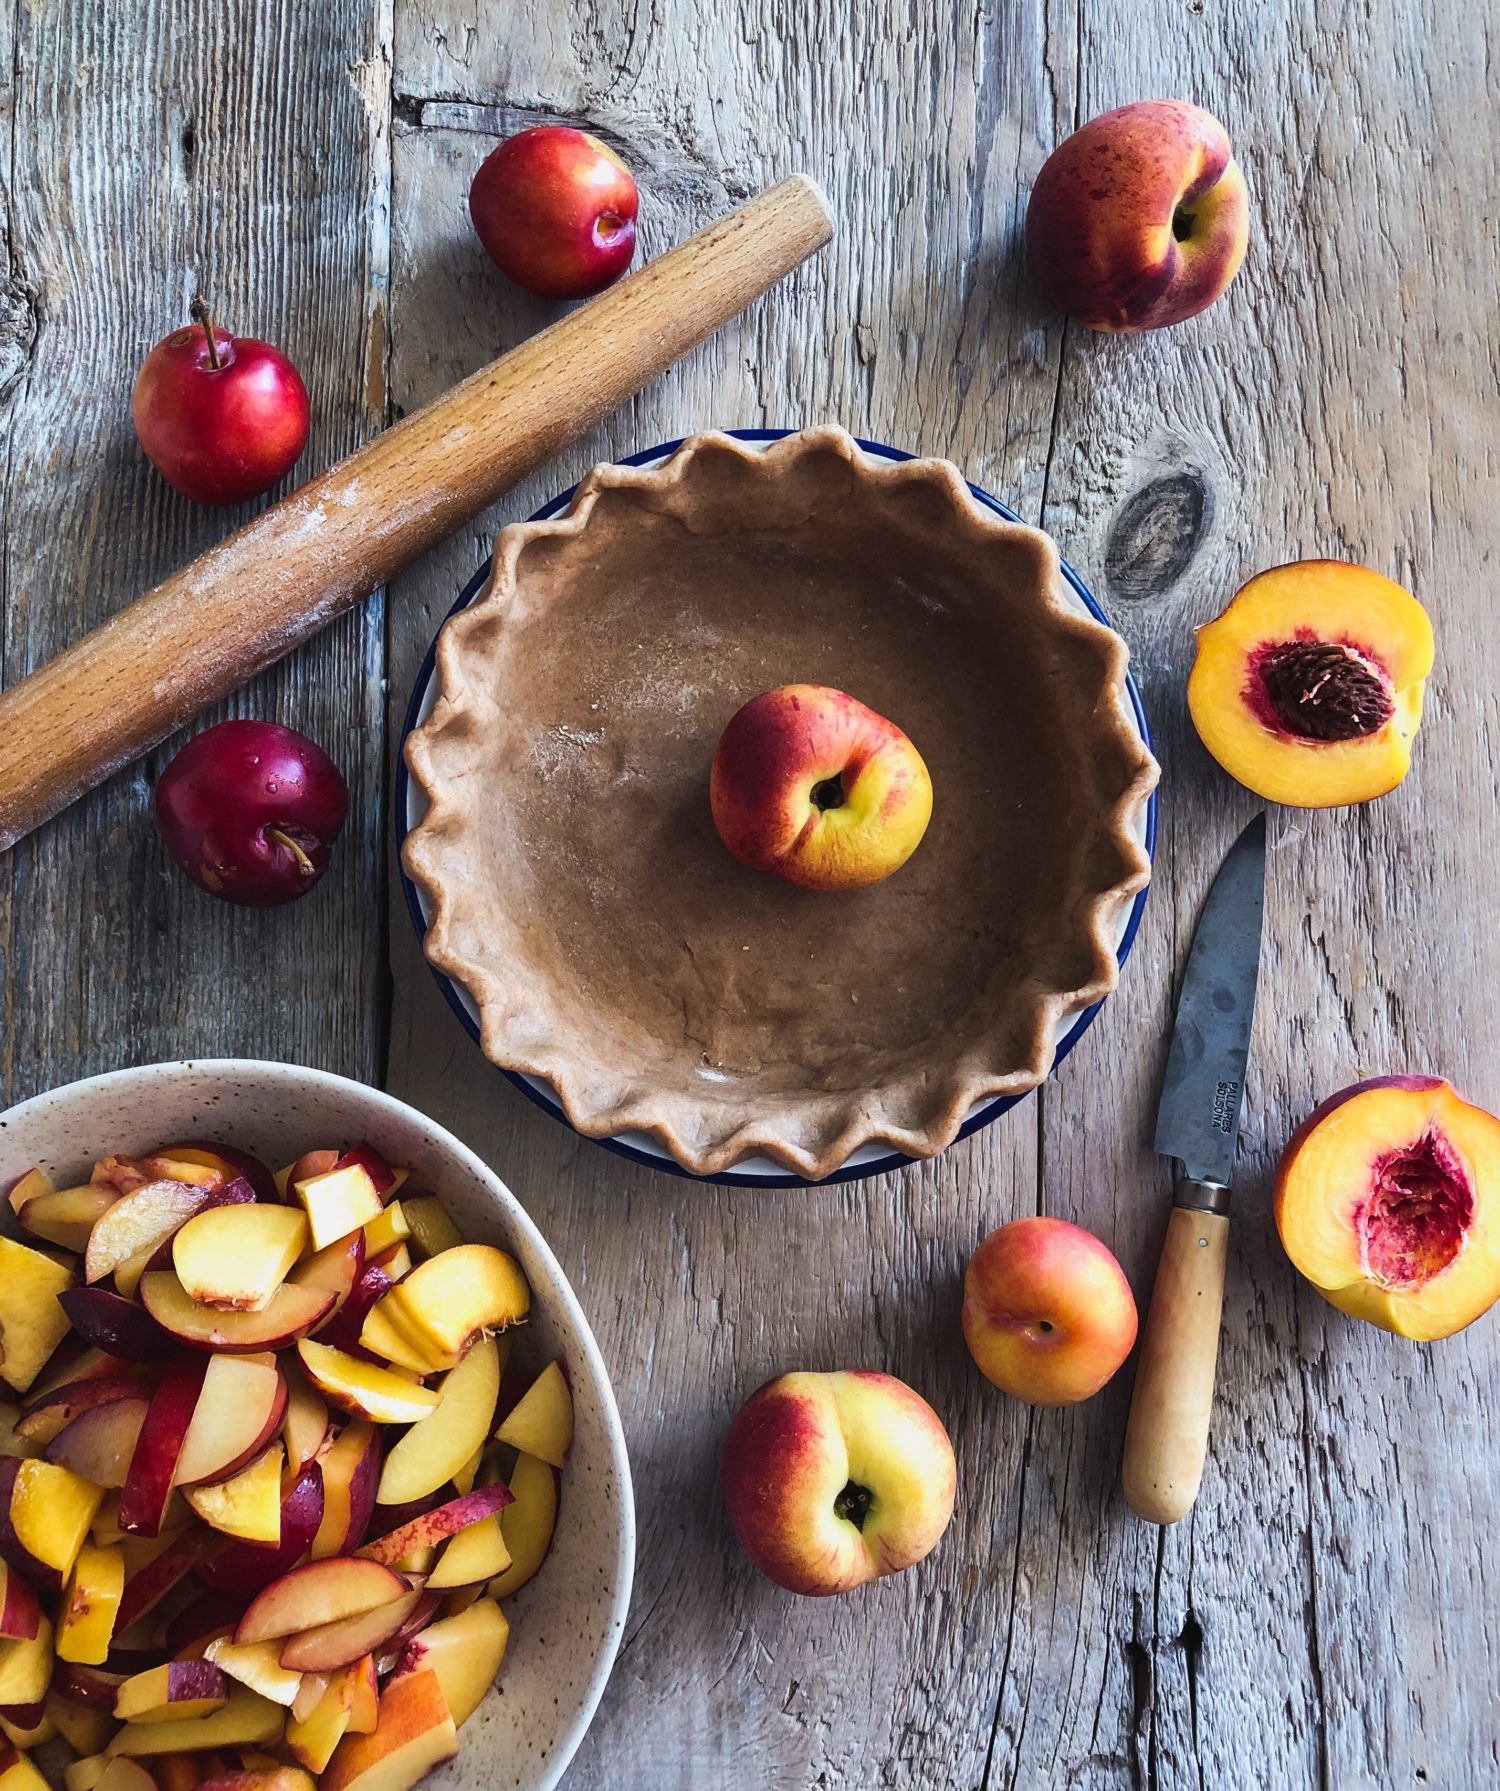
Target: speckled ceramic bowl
{"type": "Point", "coordinates": [566, 1625]}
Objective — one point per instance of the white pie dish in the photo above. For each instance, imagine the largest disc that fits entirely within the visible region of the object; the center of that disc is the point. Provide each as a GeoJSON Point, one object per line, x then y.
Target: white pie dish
{"type": "Point", "coordinates": [567, 1623]}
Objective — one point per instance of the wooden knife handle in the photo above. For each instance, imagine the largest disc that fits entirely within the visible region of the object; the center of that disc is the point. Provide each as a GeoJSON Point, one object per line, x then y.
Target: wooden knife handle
{"type": "Point", "coordinates": [118, 691]}
{"type": "Point", "coordinates": [1167, 1436]}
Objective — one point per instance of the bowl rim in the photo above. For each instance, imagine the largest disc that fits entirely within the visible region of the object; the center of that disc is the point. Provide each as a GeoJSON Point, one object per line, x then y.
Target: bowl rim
{"type": "Point", "coordinates": [569, 1741]}
{"type": "Point", "coordinates": [543, 1097]}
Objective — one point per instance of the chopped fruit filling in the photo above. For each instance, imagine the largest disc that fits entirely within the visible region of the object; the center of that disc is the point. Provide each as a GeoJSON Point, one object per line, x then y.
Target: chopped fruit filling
{"type": "Point", "coordinates": [222, 1392]}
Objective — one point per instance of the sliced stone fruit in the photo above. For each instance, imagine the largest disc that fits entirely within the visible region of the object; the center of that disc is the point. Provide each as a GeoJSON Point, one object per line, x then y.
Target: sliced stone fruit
{"type": "Point", "coordinates": [1388, 1201]}
{"type": "Point", "coordinates": [1308, 688]}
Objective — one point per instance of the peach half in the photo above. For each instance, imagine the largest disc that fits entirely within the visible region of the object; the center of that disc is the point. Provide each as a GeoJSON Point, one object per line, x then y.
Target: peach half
{"type": "Point", "coordinates": [1308, 689]}
{"type": "Point", "coordinates": [1387, 1200]}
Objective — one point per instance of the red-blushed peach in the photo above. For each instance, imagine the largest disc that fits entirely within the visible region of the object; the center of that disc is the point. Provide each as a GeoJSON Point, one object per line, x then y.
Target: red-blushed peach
{"type": "Point", "coordinates": [1388, 1201]}
{"type": "Point", "coordinates": [830, 1480]}
{"type": "Point", "coordinates": [811, 785]}
{"type": "Point", "coordinates": [1048, 1314]}
{"type": "Point", "coordinates": [1140, 218]}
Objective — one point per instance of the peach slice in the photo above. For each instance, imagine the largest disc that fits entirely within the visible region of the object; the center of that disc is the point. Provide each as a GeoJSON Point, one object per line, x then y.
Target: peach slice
{"type": "Point", "coordinates": [342, 1200]}
{"type": "Point", "coordinates": [147, 1585]}
{"type": "Point", "coordinates": [27, 1726]}
{"type": "Point", "coordinates": [395, 1259]}
{"type": "Point", "coordinates": [174, 1692]}
{"type": "Point", "coordinates": [17, 1773]}
{"type": "Point", "coordinates": [379, 1332]}
{"type": "Point", "coordinates": [306, 1423]}
{"type": "Point", "coordinates": [317, 1593]}
{"type": "Point", "coordinates": [51, 1413]}
{"type": "Point", "coordinates": [256, 1664]}
{"type": "Point", "coordinates": [227, 1162]}
{"type": "Point", "coordinates": [364, 1389]}
{"type": "Point", "coordinates": [432, 1231]}
{"type": "Point", "coordinates": [89, 1364]}
{"type": "Point", "coordinates": [471, 1558]}
{"type": "Point", "coordinates": [237, 1256]}
{"type": "Point", "coordinates": [465, 1652]}
{"type": "Point", "coordinates": [26, 1187]}
{"type": "Point", "coordinates": [99, 1444]}
{"type": "Point", "coordinates": [527, 1523]}
{"type": "Point", "coordinates": [250, 1566]}
{"type": "Point", "coordinates": [438, 1524]}
{"type": "Point", "coordinates": [1308, 688]}
{"type": "Point", "coordinates": [312, 1737]}
{"type": "Point", "coordinates": [387, 1228]}
{"type": "Point", "coordinates": [338, 1267]}
{"type": "Point", "coordinates": [246, 1720]}
{"type": "Point", "coordinates": [248, 1505]}
{"type": "Point", "coordinates": [26, 1668]}
{"type": "Point", "coordinates": [239, 1411]}
{"type": "Point", "coordinates": [349, 1639]}
{"type": "Point", "coordinates": [414, 1731]}
{"type": "Point", "coordinates": [45, 1513]}
{"type": "Point", "coordinates": [541, 1421]}
{"type": "Point", "coordinates": [364, 1702]}
{"type": "Point", "coordinates": [115, 1326]}
{"type": "Point", "coordinates": [1388, 1201]}
{"type": "Point", "coordinates": [142, 1221]}
{"type": "Point", "coordinates": [436, 1448]}
{"type": "Point", "coordinates": [90, 1606]}
{"type": "Point", "coordinates": [449, 1300]}
{"type": "Point", "coordinates": [351, 1473]}
{"type": "Point", "coordinates": [32, 1323]}
{"type": "Point", "coordinates": [292, 1312]}
{"type": "Point", "coordinates": [85, 1731]}
{"type": "Point", "coordinates": [64, 1216]}
{"type": "Point", "coordinates": [160, 1446]}
{"type": "Point", "coordinates": [88, 1774]}
{"type": "Point", "coordinates": [20, 1614]}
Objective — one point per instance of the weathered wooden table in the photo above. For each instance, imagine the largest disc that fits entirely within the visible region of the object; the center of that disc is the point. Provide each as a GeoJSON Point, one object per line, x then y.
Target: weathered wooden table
{"type": "Point", "coordinates": [1329, 1614]}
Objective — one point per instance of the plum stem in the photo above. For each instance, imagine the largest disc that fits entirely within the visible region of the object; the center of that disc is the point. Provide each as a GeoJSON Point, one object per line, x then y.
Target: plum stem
{"type": "Point", "coordinates": [200, 313]}
{"type": "Point", "coordinates": [304, 863]}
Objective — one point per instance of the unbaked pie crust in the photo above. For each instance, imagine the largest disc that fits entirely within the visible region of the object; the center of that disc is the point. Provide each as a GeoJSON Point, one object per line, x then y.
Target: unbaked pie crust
{"type": "Point", "coordinates": [577, 887]}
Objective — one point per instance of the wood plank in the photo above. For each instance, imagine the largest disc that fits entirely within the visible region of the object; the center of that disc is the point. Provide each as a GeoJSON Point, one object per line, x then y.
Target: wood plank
{"type": "Point", "coordinates": [151, 149]}
{"type": "Point", "coordinates": [694, 1307]}
{"type": "Point", "coordinates": [1309, 1624]}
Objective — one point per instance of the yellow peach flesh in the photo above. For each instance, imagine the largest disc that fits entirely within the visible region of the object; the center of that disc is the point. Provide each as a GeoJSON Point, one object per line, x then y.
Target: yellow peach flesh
{"type": "Point", "coordinates": [1382, 1205]}
{"type": "Point", "coordinates": [1306, 603]}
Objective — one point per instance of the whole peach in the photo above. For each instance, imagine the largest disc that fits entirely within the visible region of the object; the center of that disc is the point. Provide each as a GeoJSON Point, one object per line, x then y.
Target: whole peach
{"type": "Point", "coordinates": [811, 785]}
{"type": "Point", "coordinates": [1140, 218]}
{"type": "Point", "coordinates": [830, 1480]}
{"type": "Point", "coordinates": [1048, 1314]}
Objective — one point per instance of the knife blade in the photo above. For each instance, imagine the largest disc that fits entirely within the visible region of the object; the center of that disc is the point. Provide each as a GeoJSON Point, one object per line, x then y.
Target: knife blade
{"type": "Point", "coordinates": [1198, 1123]}
{"type": "Point", "coordinates": [1198, 1118]}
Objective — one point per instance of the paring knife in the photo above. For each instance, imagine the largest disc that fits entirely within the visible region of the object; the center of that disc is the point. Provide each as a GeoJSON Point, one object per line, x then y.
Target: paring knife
{"type": "Point", "coordinates": [1198, 1124]}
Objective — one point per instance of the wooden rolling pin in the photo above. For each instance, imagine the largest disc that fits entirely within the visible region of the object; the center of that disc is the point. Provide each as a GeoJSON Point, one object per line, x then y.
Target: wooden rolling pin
{"type": "Point", "coordinates": [117, 692]}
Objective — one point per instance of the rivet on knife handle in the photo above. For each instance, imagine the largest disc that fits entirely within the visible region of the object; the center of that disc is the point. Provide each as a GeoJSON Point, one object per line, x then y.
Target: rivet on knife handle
{"type": "Point", "coordinates": [1167, 1436]}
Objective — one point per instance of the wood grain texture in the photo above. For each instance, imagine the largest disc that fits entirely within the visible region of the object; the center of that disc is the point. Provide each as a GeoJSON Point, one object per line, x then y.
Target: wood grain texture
{"type": "Point", "coordinates": [296, 566]}
{"type": "Point", "coordinates": [1327, 1614]}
